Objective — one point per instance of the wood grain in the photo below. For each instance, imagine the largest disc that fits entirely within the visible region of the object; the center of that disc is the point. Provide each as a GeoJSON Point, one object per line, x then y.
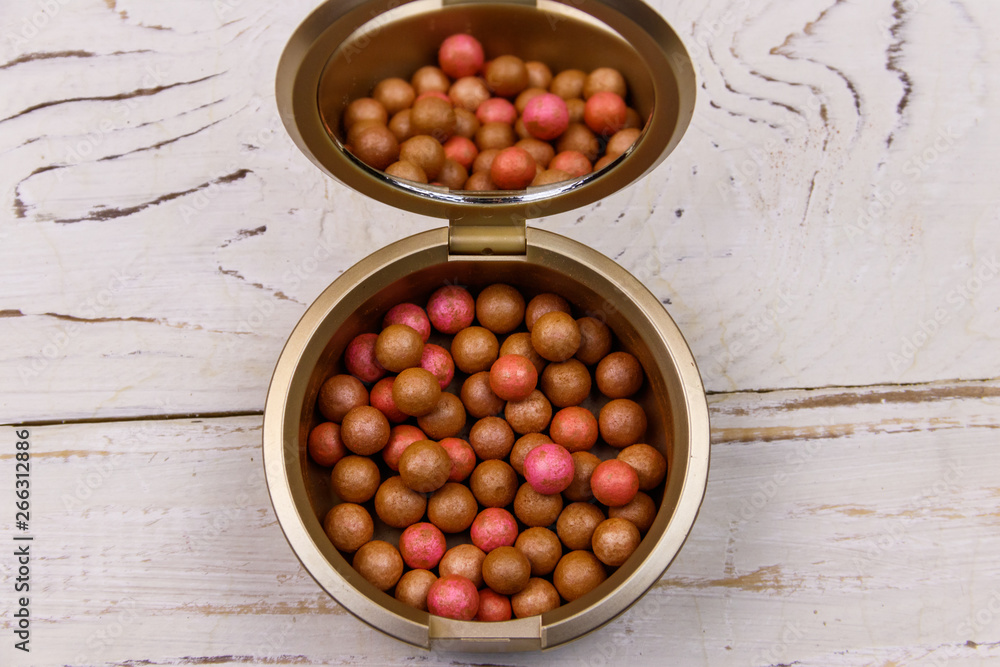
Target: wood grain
{"type": "Point", "coordinates": [163, 235]}
{"type": "Point", "coordinates": [870, 544]}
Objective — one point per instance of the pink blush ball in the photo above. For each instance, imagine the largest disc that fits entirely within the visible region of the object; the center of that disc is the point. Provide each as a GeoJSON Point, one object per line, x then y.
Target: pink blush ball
{"type": "Point", "coordinates": [411, 315]}
{"type": "Point", "coordinates": [496, 110]}
{"type": "Point", "coordinates": [422, 545]}
{"type": "Point", "coordinates": [462, 150]}
{"type": "Point", "coordinates": [605, 113]}
{"type": "Point", "coordinates": [360, 358]}
{"type": "Point", "coordinates": [573, 163]}
{"type": "Point", "coordinates": [493, 606]}
{"type": "Point", "coordinates": [549, 469]}
{"type": "Point", "coordinates": [450, 309]}
{"type": "Point", "coordinates": [400, 437]}
{"type": "Point", "coordinates": [614, 483]}
{"type": "Point", "coordinates": [492, 528]}
{"type": "Point", "coordinates": [574, 428]}
{"type": "Point", "coordinates": [463, 458]}
{"type": "Point", "coordinates": [454, 597]}
{"type": "Point", "coordinates": [546, 116]}
{"type": "Point", "coordinates": [438, 362]}
{"type": "Point", "coordinates": [461, 55]}
{"type": "Point", "coordinates": [513, 377]}
{"type": "Point", "coordinates": [325, 445]}
{"type": "Point", "coordinates": [381, 398]}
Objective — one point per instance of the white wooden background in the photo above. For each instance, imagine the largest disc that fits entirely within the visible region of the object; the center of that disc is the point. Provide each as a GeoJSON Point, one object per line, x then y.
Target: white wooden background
{"type": "Point", "coordinates": [827, 236]}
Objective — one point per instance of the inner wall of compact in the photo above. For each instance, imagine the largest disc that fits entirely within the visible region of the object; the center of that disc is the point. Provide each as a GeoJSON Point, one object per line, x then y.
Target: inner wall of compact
{"type": "Point", "coordinates": [582, 291]}
{"type": "Point", "coordinates": [396, 47]}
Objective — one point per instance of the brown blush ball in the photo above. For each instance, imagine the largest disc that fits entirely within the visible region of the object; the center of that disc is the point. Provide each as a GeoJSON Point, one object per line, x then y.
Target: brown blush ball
{"type": "Point", "coordinates": [576, 524]}
{"type": "Point", "coordinates": [544, 303]}
{"type": "Point", "coordinates": [556, 336]}
{"type": "Point", "coordinates": [413, 586]}
{"type": "Point", "coordinates": [399, 347]}
{"type": "Point", "coordinates": [538, 597]}
{"type": "Point", "coordinates": [549, 177]}
{"type": "Point", "coordinates": [619, 375]}
{"type": "Point", "coordinates": [566, 383]}
{"type": "Point", "coordinates": [494, 483]}
{"type": "Point", "coordinates": [401, 127]}
{"type": "Point", "coordinates": [649, 464]}
{"type": "Point", "coordinates": [394, 94]}
{"type": "Point", "coordinates": [541, 151]}
{"type": "Point", "coordinates": [622, 422]}
{"type": "Point", "coordinates": [452, 508]}
{"type": "Point", "coordinates": [539, 74]}
{"type": "Point", "coordinates": [474, 349]}
{"type": "Point", "coordinates": [349, 526]}
{"type": "Point", "coordinates": [430, 79]}
{"type": "Point", "coordinates": [604, 79]}
{"type": "Point", "coordinates": [578, 573]}
{"type": "Point", "coordinates": [495, 136]}
{"type": "Point", "coordinates": [376, 146]}
{"type": "Point", "coordinates": [424, 151]}
{"type": "Point", "coordinates": [452, 175]}
{"type": "Point", "coordinates": [542, 548]}
{"type": "Point", "coordinates": [325, 446]}
{"type": "Point", "coordinates": [447, 419]}
{"type": "Point", "coordinates": [362, 109]}
{"type": "Point", "coordinates": [408, 171]}
{"type": "Point", "coordinates": [339, 395]}
{"type": "Point", "coordinates": [506, 570]}
{"type": "Point", "coordinates": [595, 340]}
{"type": "Point", "coordinates": [578, 137]}
{"type": "Point", "coordinates": [416, 392]}
{"type": "Point", "coordinates": [380, 563]}
{"type": "Point", "coordinates": [434, 117]}
{"type": "Point", "coordinates": [491, 438]}
{"type": "Point", "coordinates": [500, 308]}
{"type": "Point", "coordinates": [466, 124]}
{"type": "Point", "coordinates": [424, 466]}
{"type": "Point", "coordinates": [397, 505]}
{"type": "Point", "coordinates": [532, 415]}
{"type": "Point", "coordinates": [579, 489]}
{"type": "Point", "coordinates": [478, 396]}
{"type": "Point", "coordinates": [523, 447]}
{"type": "Point", "coordinates": [641, 511]}
{"type": "Point", "coordinates": [465, 560]}
{"type": "Point", "coordinates": [568, 84]}
{"type": "Point", "coordinates": [468, 93]}
{"type": "Point", "coordinates": [365, 430]}
{"type": "Point", "coordinates": [536, 509]}
{"type": "Point", "coordinates": [614, 541]}
{"type": "Point", "coordinates": [484, 161]}
{"type": "Point", "coordinates": [506, 75]}
{"type": "Point", "coordinates": [355, 479]}
{"type": "Point", "coordinates": [520, 343]}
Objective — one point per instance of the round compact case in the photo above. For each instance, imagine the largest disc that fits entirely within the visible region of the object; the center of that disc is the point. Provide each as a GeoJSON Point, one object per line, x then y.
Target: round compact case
{"type": "Point", "coordinates": [335, 56]}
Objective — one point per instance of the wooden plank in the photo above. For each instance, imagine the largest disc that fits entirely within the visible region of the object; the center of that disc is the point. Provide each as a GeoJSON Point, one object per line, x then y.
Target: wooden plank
{"type": "Point", "coordinates": [162, 234]}
{"type": "Point", "coordinates": [840, 527]}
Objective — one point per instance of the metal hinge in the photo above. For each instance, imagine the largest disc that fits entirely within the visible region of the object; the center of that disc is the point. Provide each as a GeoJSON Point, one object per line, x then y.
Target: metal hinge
{"type": "Point", "coordinates": [487, 237]}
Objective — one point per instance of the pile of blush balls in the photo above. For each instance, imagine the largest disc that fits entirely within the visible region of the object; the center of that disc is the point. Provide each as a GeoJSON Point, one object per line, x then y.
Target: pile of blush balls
{"type": "Point", "coordinates": [480, 126]}
{"type": "Point", "coordinates": [541, 518]}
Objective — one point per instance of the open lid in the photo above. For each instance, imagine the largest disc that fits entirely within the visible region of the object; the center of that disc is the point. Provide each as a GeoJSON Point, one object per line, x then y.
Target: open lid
{"type": "Point", "coordinates": [345, 46]}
